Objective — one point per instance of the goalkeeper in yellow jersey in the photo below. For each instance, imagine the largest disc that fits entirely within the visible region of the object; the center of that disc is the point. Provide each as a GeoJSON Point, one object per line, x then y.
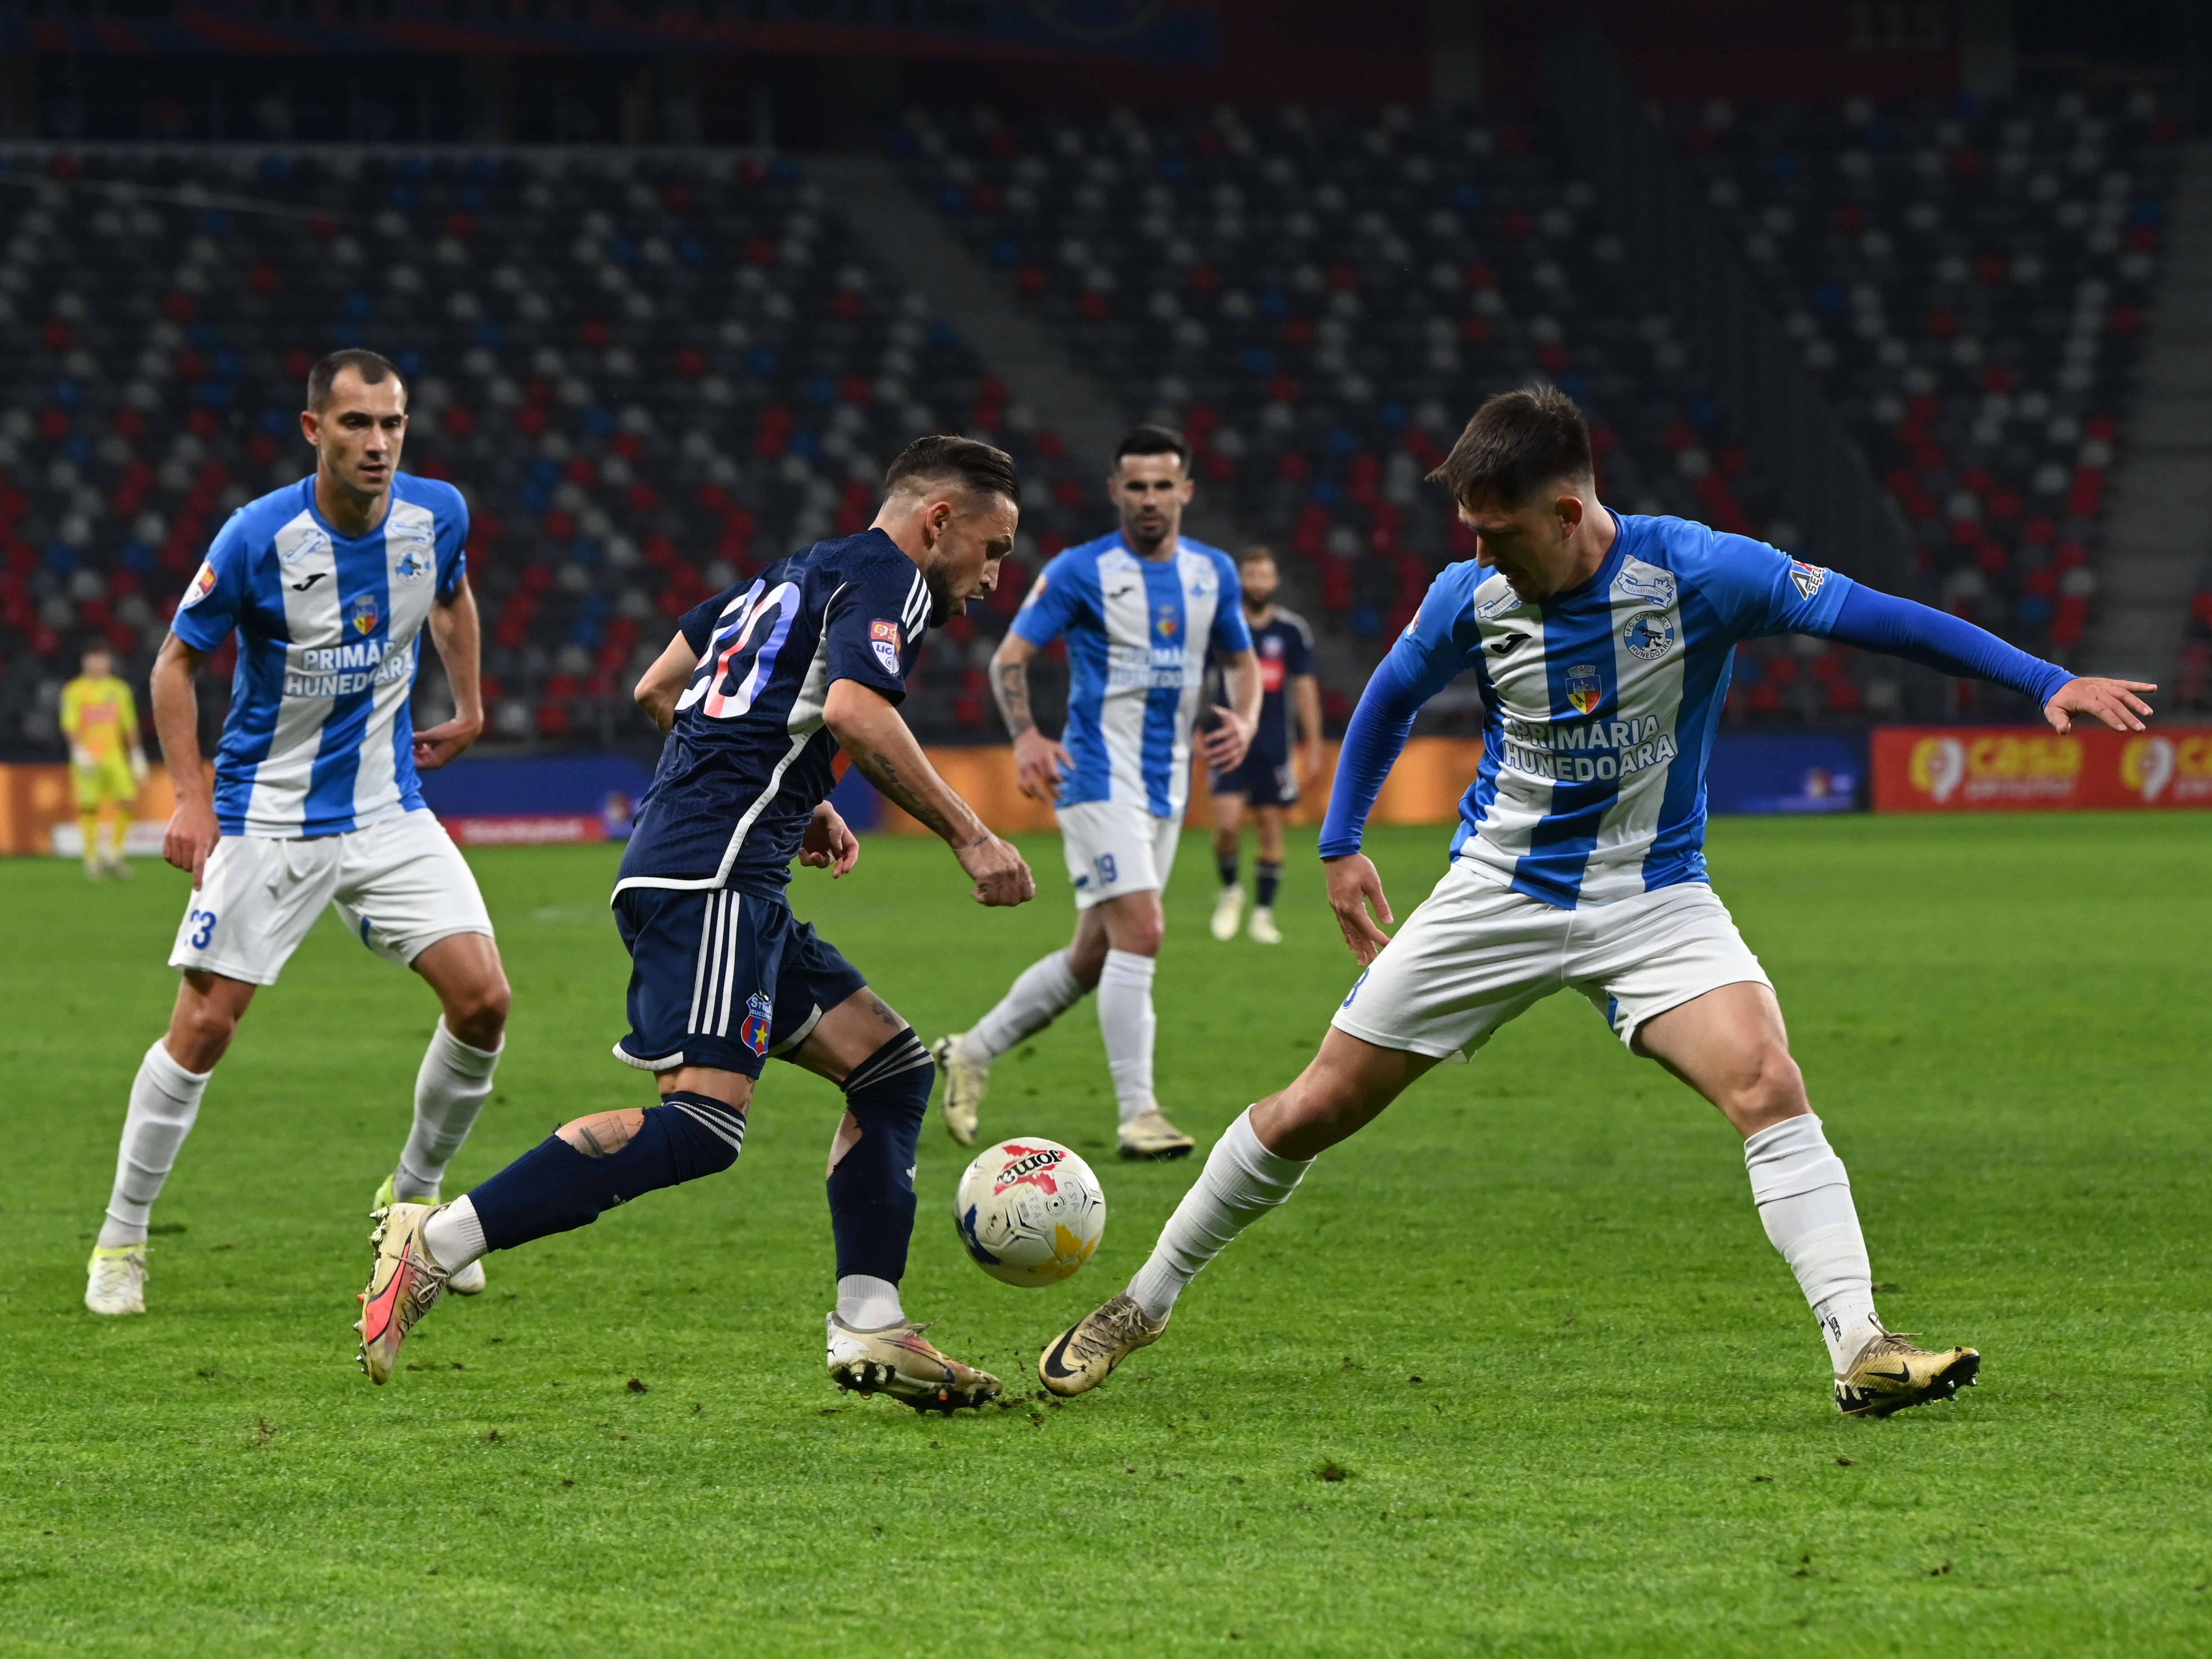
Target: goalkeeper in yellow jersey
{"type": "Point", "coordinates": [106, 764]}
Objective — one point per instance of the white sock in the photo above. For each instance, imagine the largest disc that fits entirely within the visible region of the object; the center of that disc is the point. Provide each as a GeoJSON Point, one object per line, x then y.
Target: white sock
{"type": "Point", "coordinates": [1804, 1198]}
{"type": "Point", "coordinates": [1242, 1181]}
{"type": "Point", "coordinates": [165, 1098]}
{"type": "Point", "coordinates": [450, 1090]}
{"type": "Point", "coordinates": [1046, 989]}
{"type": "Point", "coordinates": [454, 1235]}
{"type": "Point", "coordinates": [1126, 1020]}
{"type": "Point", "coordinates": [865, 1303]}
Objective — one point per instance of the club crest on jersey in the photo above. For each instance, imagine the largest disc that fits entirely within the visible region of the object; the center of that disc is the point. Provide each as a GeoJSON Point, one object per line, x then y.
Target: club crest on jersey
{"type": "Point", "coordinates": [1650, 634]}
{"type": "Point", "coordinates": [1584, 690]}
{"type": "Point", "coordinates": [753, 1030]}
{"type": "Point", "coordinates": [1167, 622]}
{"type": "Point", "coordinates": [202, 584]}
{"type": "Point", "coordinates": [884, 637]}
{"type": "Point", "coordinates": [1807, 577]}
{"type": "Point", "coordinates": [363, 614]}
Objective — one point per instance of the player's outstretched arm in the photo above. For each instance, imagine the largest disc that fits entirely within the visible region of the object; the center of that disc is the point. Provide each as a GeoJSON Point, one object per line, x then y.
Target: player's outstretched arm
{"type": "Point", "coordinates": [192, 831]}
{"type": "Point", "coordinates": [1039, 762]}
{"type": "Point", "coordinates": [458, 633]}
{"type": "Point", "coordinates": [867, 727]}
{"type": "Point", "coordinates": [1951, 645]}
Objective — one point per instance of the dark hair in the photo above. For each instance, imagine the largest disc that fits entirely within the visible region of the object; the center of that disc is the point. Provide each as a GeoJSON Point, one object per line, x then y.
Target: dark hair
{"type": "Point", "coordinates": [1253, 554]}
{"type": "Point", "coordinates": [368, 365]}
{"type": "Point", "coordinates": [1150, 440]}
{"type": "Point", "coordinates": [943, 458]}
{"type": "Point", "coordinates": [1517, 443]}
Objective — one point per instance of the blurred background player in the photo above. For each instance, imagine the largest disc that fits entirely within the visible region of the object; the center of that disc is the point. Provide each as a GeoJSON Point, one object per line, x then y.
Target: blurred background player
{"type": "Point", "coordinates": [1268, 779]}
{"type": "Point", "coordinates": [100, 718]}
{"type": "Point", "coordinates": [761, 687]}
{"type": "Point", "coordinates": [1602, 645]}
{"type": "Point", "coordinates": [328, 583]}
{"type": "Point", "coordinates": [1143, 608]}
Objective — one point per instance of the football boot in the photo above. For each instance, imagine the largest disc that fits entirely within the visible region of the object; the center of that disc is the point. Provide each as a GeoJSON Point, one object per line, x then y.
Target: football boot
{"type": "Point", "coordinates": [1227, 906]}
{"type": "Point", "coordinates": [116, 1279]}
{"type": "Point", "coordinates": [900, 1361]}
{"type": "Point", "coordinates": [1891, 1374]}
{"type": "Point", "coordinates": [965, 1086]}
{"type": "Point", "coordinates": [469, 1280]}
{"type": "Point", "coordinates": [1082, 1356]}
{"type": "Point", "coordinates": [1262, 927]}
{"type": "Point", "coordinates": [403, 1285]}
{"type": "Point", "coordinates": [1150, 1135]}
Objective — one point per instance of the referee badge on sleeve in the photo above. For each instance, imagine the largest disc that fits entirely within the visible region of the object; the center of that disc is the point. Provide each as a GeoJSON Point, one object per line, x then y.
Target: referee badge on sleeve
{"type": "Point", "coordinates": [887, 640]}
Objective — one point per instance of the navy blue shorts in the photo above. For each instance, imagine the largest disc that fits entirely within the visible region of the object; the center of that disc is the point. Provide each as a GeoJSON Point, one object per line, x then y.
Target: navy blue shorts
{"type": "Point", "coordinates": [1262, 782]}
{"type": "Point", "coordinates": [722, 979]}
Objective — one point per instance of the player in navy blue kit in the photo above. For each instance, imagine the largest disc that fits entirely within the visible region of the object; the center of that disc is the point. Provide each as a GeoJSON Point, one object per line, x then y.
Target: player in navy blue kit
{"type": "Point", "coordinates": [1267, 782]}
{"type": "Point", "coordinates": [1601, 643]}
{"type": "Point", "coordinates": [761, 688]}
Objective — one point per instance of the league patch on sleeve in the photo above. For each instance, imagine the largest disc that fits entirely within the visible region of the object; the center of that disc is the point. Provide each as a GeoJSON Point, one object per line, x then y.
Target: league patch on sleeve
{"type": "Point", "coordinates": [202, 584]}
{"type": "Point", "coordinates": [1036, 592]}
{"type": "Point", "coordinates": [887, 640]}
{"type": "Point", "coordinates": [1809, 577]}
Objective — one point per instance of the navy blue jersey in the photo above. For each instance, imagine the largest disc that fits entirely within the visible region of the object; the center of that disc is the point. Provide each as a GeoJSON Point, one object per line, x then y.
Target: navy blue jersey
{"type": "Point", "coordinates": [748, 759]}
{"type": "Point", "coordinates": [1283, 645]}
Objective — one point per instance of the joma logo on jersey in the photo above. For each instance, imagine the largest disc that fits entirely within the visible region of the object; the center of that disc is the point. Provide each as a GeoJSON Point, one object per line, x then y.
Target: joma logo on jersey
{"type": "Point", "coordinates": [1584, 690]}
{"type": "Point", "coordinates": [363, 614]}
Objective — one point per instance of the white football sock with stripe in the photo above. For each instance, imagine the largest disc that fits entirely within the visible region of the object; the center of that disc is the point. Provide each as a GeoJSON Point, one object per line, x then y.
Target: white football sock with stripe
{"type": "Point", "coordinates": [450, 1090]}
{"type": "Point", "coordinates": [1241, 1182]}
{"type": "Point", "coordinates": [165, 1098]}
{"type": "Point", "coordinates": [1046, 989]}
{"type": "Point", "coordinates": [1804, 1198]}
{"type": "Point", "coordinates": [1126, 1020]}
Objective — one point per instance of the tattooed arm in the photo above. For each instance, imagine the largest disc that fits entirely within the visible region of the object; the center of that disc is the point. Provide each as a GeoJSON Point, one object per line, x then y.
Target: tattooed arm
{"type": "Point", "coordinates": [1037, 759]}
{"type": "Point", "coordinates": [868, 728]}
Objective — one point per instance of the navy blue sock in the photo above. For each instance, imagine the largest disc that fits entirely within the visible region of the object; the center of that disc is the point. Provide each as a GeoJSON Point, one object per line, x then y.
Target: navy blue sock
{"type": "Point", "coordinates": [553, 1188]}
{"type": "Point", "coordinates": [1270, 876]}
{"type": "Point", "coordinates": [1227, 862]}
{"type": "Point", "coordinates": [871, 1189]}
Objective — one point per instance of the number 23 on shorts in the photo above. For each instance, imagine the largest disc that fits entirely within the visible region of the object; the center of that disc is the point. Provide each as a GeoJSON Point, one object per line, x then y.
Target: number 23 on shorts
{"type": "Point", "coordinates": [203, 926]}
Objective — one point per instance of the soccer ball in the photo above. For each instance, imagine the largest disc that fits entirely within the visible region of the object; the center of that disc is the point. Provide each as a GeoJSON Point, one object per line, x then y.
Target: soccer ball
{"type": "Point", "coordinates": [1030, 1211]}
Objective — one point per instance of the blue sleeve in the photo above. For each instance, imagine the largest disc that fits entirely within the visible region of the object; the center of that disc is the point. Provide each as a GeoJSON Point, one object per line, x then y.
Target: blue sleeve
{"type": "Point", "coordinates": [217, 595]}
{"type": "Point", "coordinates": [1231, 633]}
{"type": "Point", "coordinates": [1428, 656]}
{"type": "Point", "coordinates": [866, 630]}
{"type": "Point", "coordinates": [452, 551]}
{"type": "Point", "coordinates": [1759, 590]}
{"type": "Point", "coordinates": [1899, 628]}
{"type": "Point", "coordinates": [1056, 598]}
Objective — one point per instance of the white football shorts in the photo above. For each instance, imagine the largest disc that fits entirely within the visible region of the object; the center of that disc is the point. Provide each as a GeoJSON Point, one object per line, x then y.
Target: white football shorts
{"type": "Point", "coordinates": [399, 886]}
{"type": "Point", "coordinates": [1114, 849]}
{"type": "Point", "coordinates": [1476, 954]}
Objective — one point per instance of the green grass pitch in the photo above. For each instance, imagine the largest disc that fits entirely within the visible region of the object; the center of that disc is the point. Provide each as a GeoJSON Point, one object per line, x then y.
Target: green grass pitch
{"type": "Point", "coordinates": [1572, 1400]}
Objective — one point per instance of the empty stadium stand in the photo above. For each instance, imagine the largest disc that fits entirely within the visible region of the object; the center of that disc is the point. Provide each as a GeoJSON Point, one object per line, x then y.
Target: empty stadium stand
{"type": "Point", "coordinates": [1967, 280]}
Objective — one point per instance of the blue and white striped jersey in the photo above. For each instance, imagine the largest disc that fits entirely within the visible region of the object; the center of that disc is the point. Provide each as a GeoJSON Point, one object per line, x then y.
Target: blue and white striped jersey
{"type": "Point", "coordinates": [1600, 704]}
{"type": "Point", "coordinates": [748, 759]}
{"type": "Point", "coordinates": [1139, 634]}
{"type": "Point", "coordinates": [318, 739]}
